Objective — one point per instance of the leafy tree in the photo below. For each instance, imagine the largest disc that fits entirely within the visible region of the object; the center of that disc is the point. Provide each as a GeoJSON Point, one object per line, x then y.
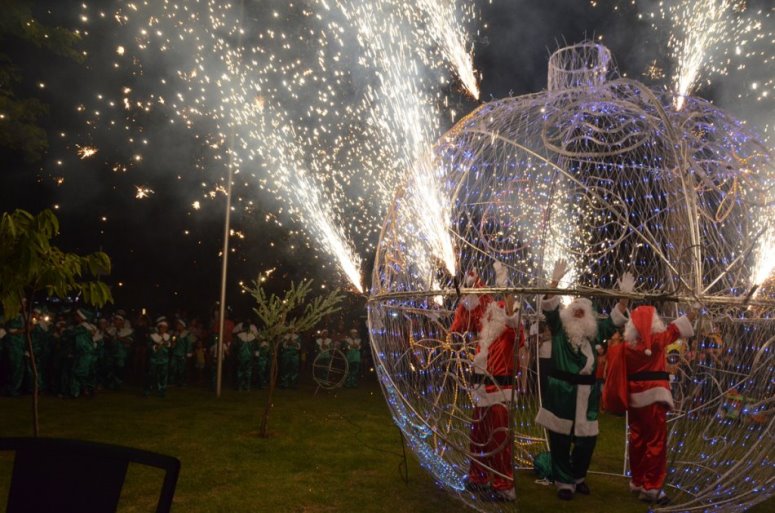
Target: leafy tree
{"type": "Point", "coordinates": [30, 265]}
{"type": "Point", "coordinates": [289, 314]}
{"type": "Point", "coordinates": [19, 129]}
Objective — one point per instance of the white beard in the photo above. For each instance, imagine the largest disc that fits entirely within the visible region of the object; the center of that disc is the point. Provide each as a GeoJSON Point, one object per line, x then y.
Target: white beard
{"type": "Point", "coordinates": [579, 331]}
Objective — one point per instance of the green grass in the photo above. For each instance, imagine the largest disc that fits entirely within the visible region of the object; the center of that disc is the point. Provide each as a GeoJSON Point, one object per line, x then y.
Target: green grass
{"type": "Point", "coordinates": [331, 452]}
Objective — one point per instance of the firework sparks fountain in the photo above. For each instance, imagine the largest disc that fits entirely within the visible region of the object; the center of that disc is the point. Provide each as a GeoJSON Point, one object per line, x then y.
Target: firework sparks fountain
{"type": "Point", "coordinates": [604, 172]}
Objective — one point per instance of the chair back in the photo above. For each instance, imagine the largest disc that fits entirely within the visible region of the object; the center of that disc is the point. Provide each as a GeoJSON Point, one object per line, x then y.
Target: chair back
{"type": "Point", "coordinates": [54, 474]}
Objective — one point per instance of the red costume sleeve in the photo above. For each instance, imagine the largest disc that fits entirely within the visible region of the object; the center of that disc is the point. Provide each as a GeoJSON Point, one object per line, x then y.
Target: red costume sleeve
{"type": "Point", "coordinates": [615, 392]}
{"type": "Point", "coordinates": [462, 320]}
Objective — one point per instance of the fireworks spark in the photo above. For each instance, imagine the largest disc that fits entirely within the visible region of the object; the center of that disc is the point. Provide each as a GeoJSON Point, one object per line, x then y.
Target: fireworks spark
{"type": "Point", "coordinates": [702, 25]}
{"type": "Point", "coordinates": [84, 152]}
{"type": "Point", "coordinates": [143, 192]}
{"type": "Point", "coordinates": [446, 28]}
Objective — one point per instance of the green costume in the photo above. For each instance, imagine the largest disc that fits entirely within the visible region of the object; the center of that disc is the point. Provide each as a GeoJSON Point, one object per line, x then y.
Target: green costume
{"type": "Point", "coordinates": [41, 348]}
{"type": "Point", "coordinates": [571, 405]}
{"type": "Point", "coordinates": [13, 346]}
{"type": "Point", "coordinates": [117, 344]}
{"type": "Point", "coordinates": [261, 363]}
{"type": "Point", "coordinates": [352, 349]}
{"type": "Point", "coordinates": [158, 363]}
{"type": "Point", "coordinates": [83, 360]}
{"type": "Point", "coordinates": [289, 361]}
{"type": "Point", "coordinates": [245, 347]}
{"type": "Point", "coordinates": [181, 351]}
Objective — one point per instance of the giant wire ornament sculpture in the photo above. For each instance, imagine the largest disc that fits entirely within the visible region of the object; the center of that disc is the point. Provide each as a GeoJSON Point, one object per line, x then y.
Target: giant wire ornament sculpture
{"type": "Point", "coordinates": [604, 172]}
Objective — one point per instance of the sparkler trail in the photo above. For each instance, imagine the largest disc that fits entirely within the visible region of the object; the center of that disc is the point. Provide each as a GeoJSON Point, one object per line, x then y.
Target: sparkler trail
{"type": "Point", "coordinates": [703, 24]}
{"type": "Point", "coordinates": [408, 121]}
{"type": "Point", "coordinates": [446, 28]}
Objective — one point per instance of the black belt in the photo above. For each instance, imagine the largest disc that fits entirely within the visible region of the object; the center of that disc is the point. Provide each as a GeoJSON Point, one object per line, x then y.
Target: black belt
{"type": "Point", "coordinates": [649, 376]}
{"type": "Point", "coordinates": [486, 379]}
{"type": "Point", "coordinates": [573, 379]}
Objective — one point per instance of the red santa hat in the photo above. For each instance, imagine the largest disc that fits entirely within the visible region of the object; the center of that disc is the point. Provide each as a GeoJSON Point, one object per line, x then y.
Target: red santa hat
{"type": "Point", "coordinates": [643, 323]}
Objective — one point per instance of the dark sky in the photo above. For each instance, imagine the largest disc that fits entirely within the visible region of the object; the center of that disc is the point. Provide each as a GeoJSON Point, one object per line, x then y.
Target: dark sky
{"type": "Point", "coordinates": [157, 263]}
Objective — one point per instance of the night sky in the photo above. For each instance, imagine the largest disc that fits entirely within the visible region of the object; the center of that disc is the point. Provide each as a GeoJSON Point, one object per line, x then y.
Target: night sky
{"type": "Point", "coordinates": [165, 253]}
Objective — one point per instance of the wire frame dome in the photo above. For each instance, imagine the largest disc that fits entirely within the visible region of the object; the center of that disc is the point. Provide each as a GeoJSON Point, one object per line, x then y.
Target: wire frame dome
{"type": "Point", "coordinates": [606, 173]}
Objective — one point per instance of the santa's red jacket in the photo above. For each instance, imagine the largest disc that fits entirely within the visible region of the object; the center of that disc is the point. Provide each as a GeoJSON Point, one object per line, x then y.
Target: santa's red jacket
{"type": "Point", "coordinates": [637, 372]}
{"type": "Point", "coordinates": [469, 313]}
{"type": "Point", "coordinates": [493, 364]}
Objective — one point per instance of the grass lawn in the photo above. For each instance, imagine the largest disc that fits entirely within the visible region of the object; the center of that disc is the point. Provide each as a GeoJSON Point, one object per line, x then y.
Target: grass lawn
{"type": "Point", "coordinates": [334, 452]}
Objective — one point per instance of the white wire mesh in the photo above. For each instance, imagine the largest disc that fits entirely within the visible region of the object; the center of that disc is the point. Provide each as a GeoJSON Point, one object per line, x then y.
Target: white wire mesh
{"type": "Point", "coordinates": [607, 174]}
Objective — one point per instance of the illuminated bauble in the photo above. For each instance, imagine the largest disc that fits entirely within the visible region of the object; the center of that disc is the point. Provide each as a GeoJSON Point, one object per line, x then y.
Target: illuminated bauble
{"type": "Point", "coordinates": [606, 173]}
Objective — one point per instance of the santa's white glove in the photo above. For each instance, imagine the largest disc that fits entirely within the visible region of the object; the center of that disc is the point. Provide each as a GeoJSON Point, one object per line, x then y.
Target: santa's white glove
{"type": "Point", "coordinates": [626, 283]}
{"type": "Point", "coordinates": [560, 270]}
{"type": "Point", "coordinates": [501, 274]}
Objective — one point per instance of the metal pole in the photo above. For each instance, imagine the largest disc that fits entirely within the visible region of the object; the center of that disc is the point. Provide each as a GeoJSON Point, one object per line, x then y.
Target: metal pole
{"type": "Point", "coordinates": [225, 264]}
{"type": "Point", "coordinates": [224, 267]}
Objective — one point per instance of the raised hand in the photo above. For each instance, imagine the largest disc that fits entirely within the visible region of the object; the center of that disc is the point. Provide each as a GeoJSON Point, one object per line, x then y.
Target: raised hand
{"type": "Point", "coordinates": [560, 270]}
{"type": "Point", "coordinates": [626, 283]}
{"type": "Point", "coordinates": [501, 274]}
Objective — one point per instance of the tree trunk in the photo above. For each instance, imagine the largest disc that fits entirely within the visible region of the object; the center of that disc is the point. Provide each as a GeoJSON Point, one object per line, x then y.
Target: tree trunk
{"type": "Point", "coordinates": [263, 429]}
{"type": "Point", "coordinates": [26, 315]}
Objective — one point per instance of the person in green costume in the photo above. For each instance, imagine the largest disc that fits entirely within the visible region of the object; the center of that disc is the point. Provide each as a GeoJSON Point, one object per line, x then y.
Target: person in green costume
{"type": "Point", "coordinates": [352, 349]}
{"type": "Point", "coordinates": [289, 361]}
{"type": "Point", "coordinates": [182, 351]}
{"type": "Point", "coordinates": [13, 347]}
{"type": "Point", "coordinates": [83, 355]}
{"type": "Point", "coordinates": [119, 338]}
{"type": "Point", "coordinates": [261, 356]}
{"type": "Point", "coordinates": [571, 406]}
{"type": "Point", "coordinates": [245, 346]}
{"type": "Point", "coordinates": [159, 343]}
{"type": "Point", "coordinates": [41, 348]}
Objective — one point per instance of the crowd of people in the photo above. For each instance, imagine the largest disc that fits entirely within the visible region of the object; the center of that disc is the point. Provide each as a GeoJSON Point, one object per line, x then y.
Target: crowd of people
{"type": "Point", "coordinates": [78, 352]}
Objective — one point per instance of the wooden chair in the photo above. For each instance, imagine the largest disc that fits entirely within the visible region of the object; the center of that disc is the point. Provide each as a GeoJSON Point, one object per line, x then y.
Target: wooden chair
{"type": "Point", "coordinates": [60, 475]}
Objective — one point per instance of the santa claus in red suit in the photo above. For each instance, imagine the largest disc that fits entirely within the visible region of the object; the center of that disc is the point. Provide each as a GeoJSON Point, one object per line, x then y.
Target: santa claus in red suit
{"type": "Point", "coordinates": [497, 327]}
{"type": "Point", "coordinates": [648, 395]}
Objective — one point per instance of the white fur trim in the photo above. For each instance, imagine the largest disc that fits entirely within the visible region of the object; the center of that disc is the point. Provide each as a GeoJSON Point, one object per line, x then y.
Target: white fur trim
{"type": "Point", "coordinates": [565, 486]}
{"type": "Point", "coordinates": [160, 339]}
{"type": "Point", "coordinates": [470, 301]}
{"type": "Point", "coordinates": [684, 326]}
{"type": "Point", "coordinates": [619, 319]}
{"type": "Point", "coordinates": [512, 321]}
{"type": "Point", "coordinates": [493, 324]}
{"type": "Point", "coordinates": [651, 396]}
{"type": "Point", "coordinates": [582, 426]}
{"type": "Point", "coordinates": [551, 304]}
{"type": "Point", "coordinates": [553, 423]}
{"type": "Point", "coordinates": [482, 397]}
{"type": "Point", "coordinates": [246, 336]}
{"type": "Point", "coordinates": [586, 350]}
{"type": "Point", "coordinates": [631, 334]}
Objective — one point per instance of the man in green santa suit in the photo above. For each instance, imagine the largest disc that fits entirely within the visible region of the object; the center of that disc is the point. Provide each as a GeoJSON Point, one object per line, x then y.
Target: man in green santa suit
{"type": "Point", "coordinates": [571, 405]}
